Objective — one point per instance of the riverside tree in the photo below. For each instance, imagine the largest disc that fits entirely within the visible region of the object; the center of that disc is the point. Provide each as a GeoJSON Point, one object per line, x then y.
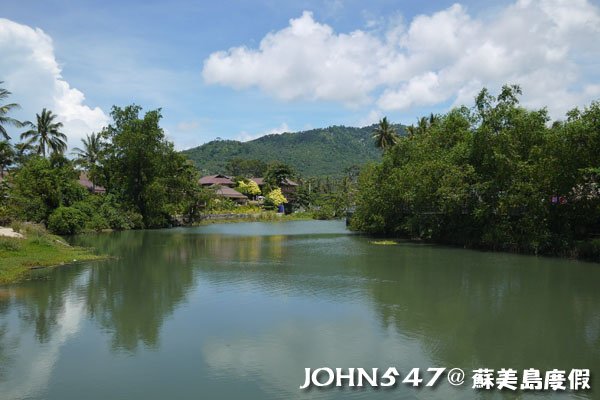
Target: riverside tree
{"type": "Point", "coordinates": [141, 168]}
{"type": "Point", "coordinates": [496, 175]}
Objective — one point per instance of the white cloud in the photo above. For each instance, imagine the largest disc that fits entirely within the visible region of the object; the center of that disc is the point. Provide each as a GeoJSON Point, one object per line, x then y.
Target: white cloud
{"type": "Point", "coordinates": [246, 137]}
{"type": "Point", "coordinates": [372, 118]}
{"type": "Point", "coordinates": [187, 126]}
{"type": "Point", "coordinates": [31, 72]}
{"type": "Point", "coordinates": [549, 47]}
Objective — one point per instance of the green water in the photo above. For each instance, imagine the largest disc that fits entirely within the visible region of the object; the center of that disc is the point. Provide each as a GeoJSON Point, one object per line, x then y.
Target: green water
{"type": "Point", "coordinates": [239, 310]}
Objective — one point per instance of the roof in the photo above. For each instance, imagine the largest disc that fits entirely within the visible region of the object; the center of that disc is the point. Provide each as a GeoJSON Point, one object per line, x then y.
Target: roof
{"type": "Point", "coordinates": [89, 185]}
{"type": "Point", "coordinates": [229, 192]}
{"type": "Point", "coordinates": [289, 182]}
{"type": "Point", "coordinates": [286, 182]}
{"type": "Point", "coordinates": [216, 180]}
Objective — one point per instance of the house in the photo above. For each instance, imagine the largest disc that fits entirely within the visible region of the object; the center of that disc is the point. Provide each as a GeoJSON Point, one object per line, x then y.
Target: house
{"type": "Point", "coordinates": [229, 193]}
{"type": "Point", "coordinates": [89, 185]}
{"type": "Point", "coordinates": [288, 186]}
{"type": "Point", "coordinates": [221, 180]}
{"type": "Point", "coordinates": [223, 187]}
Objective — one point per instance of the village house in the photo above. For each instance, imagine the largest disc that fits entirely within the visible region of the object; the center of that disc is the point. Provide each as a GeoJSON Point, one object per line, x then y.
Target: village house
{"type": "Point", "coordinates": [221, 180]}
{"type": "Point", "coordinates": [89, 185]}
{"type": "Point", "coordinates": [223, 186]}
{"type": "Point", "coordinates": [288, 187]}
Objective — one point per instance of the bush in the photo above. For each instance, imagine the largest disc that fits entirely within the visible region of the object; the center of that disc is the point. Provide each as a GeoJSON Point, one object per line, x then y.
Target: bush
{"type": "Point", "coordinates": [66, 221]}
{"type": "Point", "coordinates": [589, 250]}
{"type": "Point", "coordinates": [10, 244]}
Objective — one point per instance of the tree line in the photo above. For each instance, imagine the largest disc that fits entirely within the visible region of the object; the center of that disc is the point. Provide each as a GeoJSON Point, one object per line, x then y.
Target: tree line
{"type": "Point", "coordinates": [496, 175]}
{"type": "Point", "coordinates": [147, 182]}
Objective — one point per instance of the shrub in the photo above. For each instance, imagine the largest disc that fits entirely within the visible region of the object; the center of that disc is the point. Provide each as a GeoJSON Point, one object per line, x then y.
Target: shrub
{"type": "Point", "coordinates": [275, 198]}
{"type": "Point", "coordinates": [66, 221]}
{"type": "Point", "coordinates": [10, 244]}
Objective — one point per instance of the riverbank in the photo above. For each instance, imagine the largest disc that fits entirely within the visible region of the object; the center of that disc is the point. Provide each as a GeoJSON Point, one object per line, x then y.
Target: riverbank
{"type": "Point", "coordinates": [32, 247]}
{"type": "Point", "coordinates": [232, 218]}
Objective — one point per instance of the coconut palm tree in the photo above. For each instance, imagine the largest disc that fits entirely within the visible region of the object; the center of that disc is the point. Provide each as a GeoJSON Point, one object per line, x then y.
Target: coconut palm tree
{"type": "Point", "coordinates": [7, 155]}
{"type": "Point", "coordinates": [46, 134]}
{"type": "Point", "coordinates": [385, 135]}
{"type": "Point", "coordinates": [90, 154]}
{"type": "Point", "coordinates": [4, 110]}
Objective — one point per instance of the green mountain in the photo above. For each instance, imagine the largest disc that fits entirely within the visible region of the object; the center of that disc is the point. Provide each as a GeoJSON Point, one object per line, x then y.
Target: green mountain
{"type": "Point", "coordinates": [317, 152]}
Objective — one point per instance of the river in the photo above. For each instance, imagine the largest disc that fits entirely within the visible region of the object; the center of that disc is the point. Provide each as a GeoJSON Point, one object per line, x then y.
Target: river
{"type": "Point", "coordinates": [230, 311]}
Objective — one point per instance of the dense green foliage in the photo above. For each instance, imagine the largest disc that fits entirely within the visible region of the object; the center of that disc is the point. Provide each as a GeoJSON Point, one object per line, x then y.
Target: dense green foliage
{"type": "Point", "coordinates": [496, 176]}
{"type": "Point", "coordinates": [317, 152]}
{"type": "Point", "coordinates": [42, 185]}
{"type": "Point", "coordinates": [248, 168]}
{"type": "Point", "coordinates": [147, 183]}
{"type": "Point", "coordinates": [140, 167]}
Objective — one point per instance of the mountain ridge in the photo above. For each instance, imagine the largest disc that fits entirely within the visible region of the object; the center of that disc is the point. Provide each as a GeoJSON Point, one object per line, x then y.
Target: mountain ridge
{"type": "Point", "coordinates": [315, 152]}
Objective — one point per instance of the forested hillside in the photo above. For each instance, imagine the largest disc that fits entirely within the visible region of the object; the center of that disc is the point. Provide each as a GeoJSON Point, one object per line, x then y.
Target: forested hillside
{"type": "Point", "coordinates": [317, 152]}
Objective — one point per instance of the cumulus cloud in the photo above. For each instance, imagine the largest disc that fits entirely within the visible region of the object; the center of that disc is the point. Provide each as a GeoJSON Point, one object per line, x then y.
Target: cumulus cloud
{"type": "Point", "coordinates": [31, 72]}
{"type": "Point", "coordinates": [246, 137]}
{"type": "Point", "coordinates": [549, 47]}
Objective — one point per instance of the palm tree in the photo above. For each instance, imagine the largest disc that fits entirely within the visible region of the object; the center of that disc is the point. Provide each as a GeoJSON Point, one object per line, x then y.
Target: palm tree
{"type": "Point", "coordinates": [23, 151]}
{"type": "Point", "coordinates": [4, 110]}
{"type": "Point", "coordinates": [423, 125]}
{"type": "Point", "coordinates": [7, 155]}
{"type": "Point", "coordinates": [90, 154]}
{"type": "Point", "coordinates": [46, 134]}
{"type": "Point", "coordinates": [385, 135]}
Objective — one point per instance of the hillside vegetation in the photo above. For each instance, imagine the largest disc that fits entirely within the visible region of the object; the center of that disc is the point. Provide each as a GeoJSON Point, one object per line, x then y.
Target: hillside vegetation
{"type": "Point", "coordinates": [317, 152]}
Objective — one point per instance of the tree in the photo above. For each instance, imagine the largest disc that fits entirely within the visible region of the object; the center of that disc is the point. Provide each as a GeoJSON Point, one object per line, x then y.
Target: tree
{"type": "Point", "coordinates": [275, 197]}
{"type": "Point", "coordinates": [277, 173]}
{"type": "Point", "coordinates": [4, 110]}
{"type": "Point", "coordinates": [385, 135]}
{"type": "Point", "coordinates": [248, 187]}
{"type": "Point", "coordinates": [42, 185]}
{"type": "Point", "coordinates": [141, 168]}
{"type": "Point", "coordinates": [246, 167]}
{"type": "Point", "coordinates": [89, 156]}
{"type": "Point", "coordinates": [7, 155]}
{"type": "Point", "coordinates": [46, 134]}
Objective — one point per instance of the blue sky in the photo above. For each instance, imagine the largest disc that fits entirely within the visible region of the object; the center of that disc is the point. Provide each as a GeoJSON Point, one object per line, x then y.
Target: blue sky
{"type": "Point", "coordinates": [294, 65]}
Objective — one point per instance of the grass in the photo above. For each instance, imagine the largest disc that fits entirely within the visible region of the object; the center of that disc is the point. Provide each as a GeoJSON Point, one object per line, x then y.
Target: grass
{"type": "Point", "coordinates": [38, 249]}
{"type": "Point", "coordinates": [264, 216]}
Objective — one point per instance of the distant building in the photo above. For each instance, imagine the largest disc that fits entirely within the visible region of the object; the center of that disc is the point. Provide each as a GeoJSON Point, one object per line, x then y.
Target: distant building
{"type": "Point", "coordinates": [89, 185]}
{"type": "Point", "coordinates": [221, 180]}
{"type": "Point", "coordinates": [288, 186]}
{"type": "Point", "coordinates": [232, 194]}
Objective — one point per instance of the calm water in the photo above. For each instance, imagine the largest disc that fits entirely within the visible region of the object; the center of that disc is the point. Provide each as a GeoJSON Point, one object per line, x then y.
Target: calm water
{"type": "Point", "coordinates": [239, 310]}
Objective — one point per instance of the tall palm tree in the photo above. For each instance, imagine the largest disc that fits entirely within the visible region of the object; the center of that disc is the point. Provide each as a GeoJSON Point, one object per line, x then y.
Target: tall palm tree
{"type": "Point", "coordinates": [90, 154]}
{"type": "Point", "coordinates": [385, 135]}
{"type": "Point", "coordinates": [46, 134]}
{"type": "Point", "coordinates": [4, 110]}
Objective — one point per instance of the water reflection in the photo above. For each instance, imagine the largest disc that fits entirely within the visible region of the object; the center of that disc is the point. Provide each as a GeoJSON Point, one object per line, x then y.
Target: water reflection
{"type": "Point", "coordinates": [182, 310]}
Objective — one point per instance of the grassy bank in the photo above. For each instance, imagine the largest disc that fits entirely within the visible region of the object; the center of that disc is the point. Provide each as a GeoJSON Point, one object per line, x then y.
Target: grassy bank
{"type": "Point", "coordinates": [37, 249]}
{"type": "Point", "coordinates": [264, 216]}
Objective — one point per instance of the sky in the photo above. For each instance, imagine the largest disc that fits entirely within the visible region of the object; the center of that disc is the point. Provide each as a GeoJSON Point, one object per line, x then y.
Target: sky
{"type": "Point", "coordinates": [242, 69]}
